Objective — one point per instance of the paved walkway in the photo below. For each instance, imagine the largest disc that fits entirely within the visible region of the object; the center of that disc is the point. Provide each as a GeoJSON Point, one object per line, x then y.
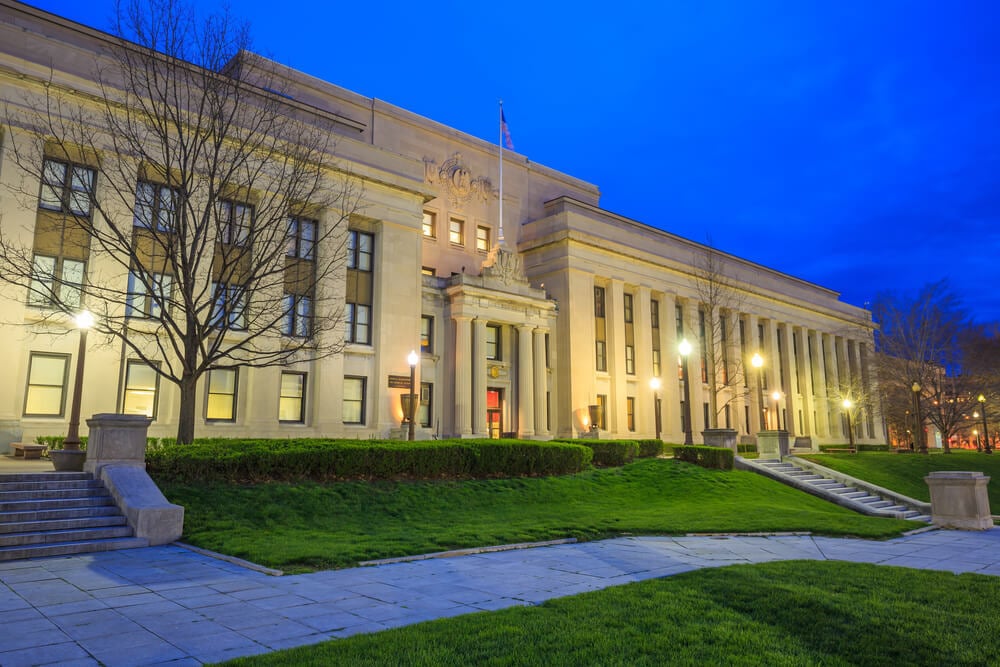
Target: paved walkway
{"type": "Point", "coordinates": [169, 605]}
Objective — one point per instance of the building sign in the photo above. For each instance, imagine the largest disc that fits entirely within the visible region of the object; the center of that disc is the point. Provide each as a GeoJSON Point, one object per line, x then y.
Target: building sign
{"type": "Point", "coordinates": [399, 382]}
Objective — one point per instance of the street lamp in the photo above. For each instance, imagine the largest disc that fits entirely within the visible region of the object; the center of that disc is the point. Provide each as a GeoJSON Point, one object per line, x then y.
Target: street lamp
{"type": "Point", "coordinates": [918, 420]}
{"type": "Point", "coordinates": [412, 359]}
{"type": "Point", "coordinates": [847, 411]}
{"type": "Point", "coordinates": [986, 434]}
{"type": "Point", "coordinates": [654, 384]}
{"type": "Point", "coordinates": [757, 362]}
{"type": "Point", "coordinates": [777, 410]}
{"type": "Point", "coordinates": [685, 349]}
{"type": "Point", "coordinates": [84, 321]}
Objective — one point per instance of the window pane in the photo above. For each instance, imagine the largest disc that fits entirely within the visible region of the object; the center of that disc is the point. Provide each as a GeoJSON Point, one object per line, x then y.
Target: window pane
{"type": "Point", "coordinates": [41, 283]}
{"type": "Point", "coordinates": [44, 401]}
{"type": "Point", "coordinates": [47, 370]}
{"type": "Point", "coordinates": [222, 381]}
{"type": "Point", "coordinates": [45, 390]}
{"type": "Point", "coordinates": [220, 406]}
{"type": "Point", "coordinates": [140, 390]}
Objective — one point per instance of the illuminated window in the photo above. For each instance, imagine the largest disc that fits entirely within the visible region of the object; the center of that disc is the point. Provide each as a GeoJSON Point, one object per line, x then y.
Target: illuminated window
{"type": "Point", "coordinates": [221, 395]}
{"type": "Point", "coordinates": [360, 278]}
{"type": "Point", "coordinates": [493, 342]}
{"type": "Point", "coordinates": [425, 412]}
{"type": "Point", "coordinates": [630, 412]}
{"type": "Point", "coordinates": [456, 231]}
{"type": "Point", "coordinates": [354, 400]}
{"type": "Point", "coordinates": [427, 334]}
{"type": "Point", "coordinates": [142, 384]}
{"type": "Point", "coordinates": [292, 398]}
{"type": "Point", "coordinates": [46, 392]}
{"type": "Point", "coordinates": [430, 225]}
{"type": "Point", "coordinates": [483, 239]}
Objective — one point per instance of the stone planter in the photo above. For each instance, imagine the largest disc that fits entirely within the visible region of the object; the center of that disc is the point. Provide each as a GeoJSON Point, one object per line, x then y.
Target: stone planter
{"type": "Point", "coordinates": [959, 500]}
{"type": "Point", "coordinates": [720, 437]}
{"type": "Point", "coordinates": [772, 444]}
{"type": "Point", "coordinates": [67, 460]}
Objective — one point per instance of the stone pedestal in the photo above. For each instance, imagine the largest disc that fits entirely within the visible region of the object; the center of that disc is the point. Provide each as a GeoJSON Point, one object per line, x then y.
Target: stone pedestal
{"type": "Point", "coordinates": [68, 460]}
{"type": "Point", "coordinates": [959, 500]}
{"type": "Point", "coordinates": [720, 437]}
{"type": "Point", "coordinates": [116, 439]}
{"type": "Point", "coordinates": [772, 444]}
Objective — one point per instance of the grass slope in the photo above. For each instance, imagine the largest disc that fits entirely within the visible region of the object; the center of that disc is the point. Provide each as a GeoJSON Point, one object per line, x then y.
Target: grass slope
{"type": "Point", "coordinates": [792, 613]}
{"type": "Point", "coordinates": [313, 526]}
{"type": "Point", "coordinates": [904, 473]}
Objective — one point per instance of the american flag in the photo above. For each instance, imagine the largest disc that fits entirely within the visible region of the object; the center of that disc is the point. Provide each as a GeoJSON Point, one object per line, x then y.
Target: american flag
{"type": "Point", "coordinates": [505, 130]}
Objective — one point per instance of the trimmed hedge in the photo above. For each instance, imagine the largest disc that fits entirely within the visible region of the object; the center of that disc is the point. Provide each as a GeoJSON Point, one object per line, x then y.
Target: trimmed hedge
{"type": "Point", "coordinates": [607, 453]}
{"type": "Point", "coordinates": [717, 458]}
{"type": "Point", "coordinates": [240, 461]}
{"type": "Point", "coordinates": [56, 441]}
{"type": "Point", "coordinates": [649, 449]}
{"type": "Point", "coordinates": [859, 448]}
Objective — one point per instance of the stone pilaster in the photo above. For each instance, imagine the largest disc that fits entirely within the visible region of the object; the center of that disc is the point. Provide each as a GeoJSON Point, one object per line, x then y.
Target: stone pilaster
{"type": "Point", "coordinates": [525, 382]}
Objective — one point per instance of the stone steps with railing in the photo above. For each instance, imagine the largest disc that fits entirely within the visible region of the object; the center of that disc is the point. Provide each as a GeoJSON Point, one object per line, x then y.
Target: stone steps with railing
{"type": "Point", "coordinates": [838, 488]}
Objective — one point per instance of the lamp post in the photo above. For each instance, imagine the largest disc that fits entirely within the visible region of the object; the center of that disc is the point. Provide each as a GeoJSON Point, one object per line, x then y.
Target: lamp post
{"type": "Point", "coordinates": [850, 431]}
{"type": "Point", "coordinates": [654, 384]}
{"type": "Point", "coordinates": [776, 395]}
{"type": "Point", "coordinates": [685, 349]}
{"type": "Point", "coordinates": [918, 420]}
{"type": "Point", "coordinates": [84, 321]}
{"type": "Point", "coordinates": [987, 448]}
{"type": "Point", "coordinates": [412, 359]}
{"type": "Point", "coordinates": [758, 362]}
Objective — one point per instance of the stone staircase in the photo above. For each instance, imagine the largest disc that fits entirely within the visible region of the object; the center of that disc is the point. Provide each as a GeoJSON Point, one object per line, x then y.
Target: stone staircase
{"type": "Point", "coordinates": [838, 488]}
{"type": "Point", "coordinates": [54, 514]}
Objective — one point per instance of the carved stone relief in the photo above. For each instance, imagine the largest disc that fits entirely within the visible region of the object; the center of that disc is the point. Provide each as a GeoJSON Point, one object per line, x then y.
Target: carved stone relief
{"type": "Point", "coordinates": [456, 179]}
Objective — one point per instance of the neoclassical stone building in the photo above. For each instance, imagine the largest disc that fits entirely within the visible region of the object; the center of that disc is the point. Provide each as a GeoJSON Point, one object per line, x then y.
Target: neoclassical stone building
{"type": "Point", "coordinates": [521, 324]}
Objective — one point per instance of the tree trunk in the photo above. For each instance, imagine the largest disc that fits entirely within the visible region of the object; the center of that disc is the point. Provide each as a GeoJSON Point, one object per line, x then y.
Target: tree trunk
{"type": "Point", "coordinates": [185, 419]}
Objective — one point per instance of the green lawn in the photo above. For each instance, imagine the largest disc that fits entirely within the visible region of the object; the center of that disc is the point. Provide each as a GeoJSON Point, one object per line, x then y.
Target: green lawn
{"type": "Point", "coordinates": [298, 527]}
{"type": "Point", "coordinates": [904, 473]}
{"type": "Point", "coordinates": [792, 613]}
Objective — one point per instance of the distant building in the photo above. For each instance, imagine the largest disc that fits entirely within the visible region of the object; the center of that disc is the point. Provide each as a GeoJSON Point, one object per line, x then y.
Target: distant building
{"type": "Point", "coordinates": [520, 329]}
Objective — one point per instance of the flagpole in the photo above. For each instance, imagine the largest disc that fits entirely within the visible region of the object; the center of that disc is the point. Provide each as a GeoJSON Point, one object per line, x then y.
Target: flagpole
{"type": "Point", "coordinates": [500, 240]}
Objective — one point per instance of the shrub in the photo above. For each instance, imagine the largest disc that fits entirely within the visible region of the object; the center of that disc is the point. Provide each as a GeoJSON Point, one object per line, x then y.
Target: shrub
{"type": "Point", "coordinates": [56, 441]}
{"type": "Point", "coordinates": [608, 453]}
{"type": "Point", "coordinates": [746, 449]}
{"type": "Point", "coordinates": [719, 458]}
{"type": "Point", "coordinates": [650, 449]}
{"type": "Point", "coordinates": [325, 460]}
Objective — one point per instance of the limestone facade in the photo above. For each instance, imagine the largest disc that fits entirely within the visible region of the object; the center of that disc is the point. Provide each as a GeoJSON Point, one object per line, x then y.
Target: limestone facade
{"type": "Point", "coordinates": [520, 326]}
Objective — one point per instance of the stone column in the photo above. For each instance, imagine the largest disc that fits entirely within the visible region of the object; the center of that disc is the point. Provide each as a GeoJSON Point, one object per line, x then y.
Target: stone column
{"type": "Point", "coordinates": [789, 384]}
{"type": "Point", "coordinates": [463, 375]}
{"type": "Point", "coordinates": [819, 384]}
{"type": "Point", "coordinates": [754, 375]}
{"type": "Point", "coordinates": [805, 381]}
{"type": "Point", "coordinates": [479, 426]}
{"type": "Point", "coordinates": [643, 335]}
{"type": "Point", "coordinates": [670, 396]}
{"type": "Point", "coordinates": [697, 393]}
{"type": "Point", "coordinates": [541, 383]}
{"type": "Point", "coordinates": [525, 382]}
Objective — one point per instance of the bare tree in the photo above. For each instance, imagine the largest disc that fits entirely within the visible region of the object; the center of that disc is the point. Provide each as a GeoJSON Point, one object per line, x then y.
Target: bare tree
{"type": "Point", "coordinates": [720, 299]}
{"type": "Point", "coordinates": [918, 345]}
{"type": "Point", "coordinates": [186, 200]}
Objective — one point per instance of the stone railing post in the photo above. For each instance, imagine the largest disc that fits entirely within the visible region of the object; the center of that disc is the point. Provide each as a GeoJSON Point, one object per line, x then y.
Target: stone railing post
{"type": "Point", "coordinates": [959, 500]}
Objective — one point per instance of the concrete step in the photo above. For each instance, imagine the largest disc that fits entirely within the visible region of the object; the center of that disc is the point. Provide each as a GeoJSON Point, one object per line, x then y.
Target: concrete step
{"type": "Point", "coordinates": [56, 503]}
{"type": "Point", "coordinates": [42, 485]}
{"type": "Point", "coordinates": [85, 520]}
{"type": "Point", "coordinates": [63, 536]}
{"type": "Point", "coordinates": [58, 514]}
{"type": "Point", "coordinates": [66, 548]}
{"type": "Point", "coordinates": [51, 494]}
{"type": "Point", "coordinates": [44, 476]}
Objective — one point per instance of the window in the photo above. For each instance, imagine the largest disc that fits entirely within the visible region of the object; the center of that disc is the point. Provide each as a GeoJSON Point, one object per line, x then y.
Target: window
{"type": "Point", "coordinates": [147, 295]}
{"type": "Point", "coordinates": [428, 271]}
{"type": "Point", "coordinates": [427, 334]}
{"type": "Point", "coordinates": [430, 225]}
{"type": "Point", "coordinates": [602, 412]}
{"type": "Point", "coordinates": [654, 314]}
{"type": "Point", "coordinates": [483, 239]}
{"type": "Point", "coordinates": [630, 412]}
{"type": "Point", "coordinates": [354, 400]}
{"type": "Point", "coordinates": [301, 239]}
{"type": "Point", "coordinates": [629, 314]}
{"type": "Point", "coordinates": [142, 384]}
{"type": "Point", "coordinates": [426, 409]}
{"type": "Point", "coordinates": [703, 343]}
{"type": "Point", "coordinates": [456, 231]}
{"type": "Point", "coordinates": [221, 399]}
{"type": "Point", "coordinates": [46, 393]}
{"type": "Point", "coordinates": [291, 398]}
{"type": "Point", "coordinates": [67, 188]}
{"type": "Point", "coordinates": [600, 330]}
{"type": "Point", "coordinates": [656, 363]}
{"type": "Point", "coordinates": [235, 222]}
{"type": "Point", "coordinates": [630, 359]}
{"type": "Point", "coordinates": [229, 306]}
{"type": "Point", "coordinates": [493, 342]}
{"type": "Point", "coordinates": [628, 309]}
{"type": "Point", "coordinates": [360, 262]}
{"type": "Point", "coordinates": [155, 207]}
{"type": "Point", "coordinates": [654, 319]}
{"type": "Point", "coordinates": [298, 316]}
{"type": "Point", "coordinates": [62, 240]}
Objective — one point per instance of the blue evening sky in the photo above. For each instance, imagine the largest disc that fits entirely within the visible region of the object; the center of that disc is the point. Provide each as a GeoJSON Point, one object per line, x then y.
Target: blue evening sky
{"type": "Point", "coordinates": [854, 144]}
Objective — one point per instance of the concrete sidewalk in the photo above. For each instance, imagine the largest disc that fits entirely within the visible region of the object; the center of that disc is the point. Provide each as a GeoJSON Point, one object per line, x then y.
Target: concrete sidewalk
{"type": "Point", "coordinates": [169, 605]}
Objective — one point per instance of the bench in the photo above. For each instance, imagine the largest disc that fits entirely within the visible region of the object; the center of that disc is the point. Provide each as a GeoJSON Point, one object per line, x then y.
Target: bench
{"type": "Point", "coordinates": [27, 450]}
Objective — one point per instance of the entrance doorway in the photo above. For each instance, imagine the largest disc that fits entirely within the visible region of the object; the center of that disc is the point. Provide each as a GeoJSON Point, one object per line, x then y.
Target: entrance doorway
{"type": "Point", "coordinates": [494, 412]}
